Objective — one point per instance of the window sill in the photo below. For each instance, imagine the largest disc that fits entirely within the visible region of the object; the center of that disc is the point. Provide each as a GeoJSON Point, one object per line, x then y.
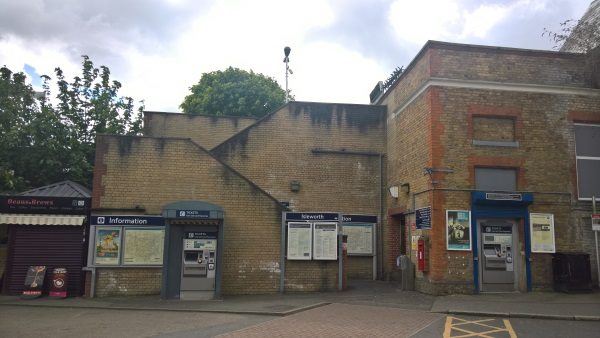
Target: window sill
{"type": "Point", "coordinates": [509, 144]}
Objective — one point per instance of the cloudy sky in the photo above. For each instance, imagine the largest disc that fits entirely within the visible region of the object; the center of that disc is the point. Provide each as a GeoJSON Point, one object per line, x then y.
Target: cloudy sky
{"type": "Point", "coordinates": [340, 48]}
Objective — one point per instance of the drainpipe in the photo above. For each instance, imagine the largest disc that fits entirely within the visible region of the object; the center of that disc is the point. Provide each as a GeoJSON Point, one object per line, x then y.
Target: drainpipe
{"type": "Point", "coordinates": [381, 219]}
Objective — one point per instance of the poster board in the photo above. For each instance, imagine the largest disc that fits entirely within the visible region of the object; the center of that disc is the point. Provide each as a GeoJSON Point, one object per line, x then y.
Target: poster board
{"type": "Point", "coordinates": [360, 238]}
{"type": "Point", "coordinates": [325, 241]}
{"type": "Point", "coordinates": [458, 230]}
{"type": "Point", "coordinates": [143, 246]}
{"type": "Point", "coordinates": [299, 241]}
{"type": "Point", "coordinates": [107, 246]}
{"type": "Point", "coordinates": [542, 233]}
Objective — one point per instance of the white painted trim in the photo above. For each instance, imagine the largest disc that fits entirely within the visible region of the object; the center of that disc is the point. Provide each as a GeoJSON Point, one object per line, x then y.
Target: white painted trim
{"type": "Point", "coordinates": [493, 85]}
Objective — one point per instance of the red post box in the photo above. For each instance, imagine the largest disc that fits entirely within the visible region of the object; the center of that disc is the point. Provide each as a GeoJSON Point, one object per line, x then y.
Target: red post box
{"type": "Point", "coordinates": [421, 254]}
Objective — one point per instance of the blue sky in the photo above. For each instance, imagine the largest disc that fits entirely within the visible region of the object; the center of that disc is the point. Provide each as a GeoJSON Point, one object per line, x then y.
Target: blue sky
{"type": "Point", "coordinates": [340, 49]}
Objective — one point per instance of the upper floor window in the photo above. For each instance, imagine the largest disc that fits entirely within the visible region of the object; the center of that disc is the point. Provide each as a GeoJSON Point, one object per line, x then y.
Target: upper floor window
{"type": "Point", "coordinates": [496, 179]}
{"type": "Point", "coordinates": [494, 131]}
{"type": "Point", "coordinates": [587, 149]}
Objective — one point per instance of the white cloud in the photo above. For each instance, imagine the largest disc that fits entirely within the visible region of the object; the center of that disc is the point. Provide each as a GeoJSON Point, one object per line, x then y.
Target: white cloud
{"type": "Point", "coordinates": [419, 21]}
{"type": "Point", "coordinates": [158, 51]}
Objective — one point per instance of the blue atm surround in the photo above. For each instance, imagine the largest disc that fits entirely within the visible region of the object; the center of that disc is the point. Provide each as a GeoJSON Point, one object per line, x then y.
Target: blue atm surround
{"type": "Point", "coordinates": [481, 207]}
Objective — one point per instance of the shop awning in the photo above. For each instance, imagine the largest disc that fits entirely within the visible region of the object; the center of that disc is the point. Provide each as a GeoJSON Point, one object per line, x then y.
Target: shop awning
{"type": "Point", "coordinates": [27, 219]}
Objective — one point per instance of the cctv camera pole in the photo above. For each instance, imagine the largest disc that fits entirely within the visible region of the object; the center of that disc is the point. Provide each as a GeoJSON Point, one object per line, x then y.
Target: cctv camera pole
{"type": "Point", "coordinates": [286, 51]}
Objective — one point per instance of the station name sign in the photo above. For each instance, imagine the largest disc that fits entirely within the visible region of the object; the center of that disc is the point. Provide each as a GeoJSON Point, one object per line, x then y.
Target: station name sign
{"type": "Point", "coordinates": [494, 196]}
{"type": "Point", "coordinates": [311, 216]}
{"type": "Point", "coordinates": [128, 220]}
{"type": "Point", "coordinates": [50, 205]}
{"type": "Point", "coordinates": [329, 216]}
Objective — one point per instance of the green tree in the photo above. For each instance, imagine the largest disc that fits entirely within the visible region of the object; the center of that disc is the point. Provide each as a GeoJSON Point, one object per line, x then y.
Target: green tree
{"type": "Point", "coordinates": [234, 92]}
{"type": "Point", "coordinates": [46, 140]}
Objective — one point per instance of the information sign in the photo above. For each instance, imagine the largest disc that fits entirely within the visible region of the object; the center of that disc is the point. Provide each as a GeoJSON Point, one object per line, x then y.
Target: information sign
{"type": "Point", "coordinates": [360, 238]}
{"type": "Point", "coordinates": [299, 241]}
{"type": "Point", "coordinates": [325, 241]}
{"type": "Point", "coordinates": [542, 233]}
{"type": "Point", "coordinates": [596, 222]}
{"type": "Point", "coordinates": [423, 218]}
{"type": "Point", "coordinates": [192, 214]}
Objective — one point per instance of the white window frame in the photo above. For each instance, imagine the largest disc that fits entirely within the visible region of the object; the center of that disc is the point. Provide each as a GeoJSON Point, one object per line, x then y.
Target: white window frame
{"type": "Point", "coordinates": [593, 158]}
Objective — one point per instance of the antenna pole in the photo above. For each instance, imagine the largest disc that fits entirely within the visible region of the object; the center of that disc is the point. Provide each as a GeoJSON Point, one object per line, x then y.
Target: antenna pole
{"type": "Point", "coordinates": [286, 60]}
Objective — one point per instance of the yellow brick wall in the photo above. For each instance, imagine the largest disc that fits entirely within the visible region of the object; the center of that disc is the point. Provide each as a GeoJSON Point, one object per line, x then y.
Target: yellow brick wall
{"type": "Point", "coordinates": [207, 131]}
{"type": "Point", "coordinates": [278, 150]}
{"type": "Point", "coordinates": [152, 172]}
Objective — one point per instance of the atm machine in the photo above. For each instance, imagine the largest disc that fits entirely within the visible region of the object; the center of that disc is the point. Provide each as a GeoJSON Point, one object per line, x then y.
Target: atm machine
{"type": "Point", "coordinates": [497, 251]}
{"type": "Point", "coordinates": [199, 263]}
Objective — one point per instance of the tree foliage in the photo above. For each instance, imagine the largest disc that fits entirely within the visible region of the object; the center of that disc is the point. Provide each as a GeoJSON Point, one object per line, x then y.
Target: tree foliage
{"type": "Point", "coordinates": [45, 139]}
{"type": "Point", "coordinates": [234, 92]}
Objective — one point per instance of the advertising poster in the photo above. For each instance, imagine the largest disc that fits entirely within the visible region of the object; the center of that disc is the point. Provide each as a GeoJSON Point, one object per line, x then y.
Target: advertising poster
{"type": "Point", "coordinates": [299, 241]}
{"type": "Point", "coordinates": [143, 246]}
{"type": "Point", "coordinates": [542, 233]}
{"type": "Point", "coordinates": [108, 246]}
{"type": "Point", "coordinates": [34, 282]}
{"type": "Point", "coordinates": [458, 230]}
{"type": "Point", "coordinates": [325, 241]}
{"type": "Point", "coordinates": [360, 238]}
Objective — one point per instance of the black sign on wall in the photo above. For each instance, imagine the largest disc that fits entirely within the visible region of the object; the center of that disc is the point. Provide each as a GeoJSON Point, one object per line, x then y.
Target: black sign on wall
{"type": "Point", "coordinates": [423, 218]}
{"type": "Point", "coordinates": [44, 205]}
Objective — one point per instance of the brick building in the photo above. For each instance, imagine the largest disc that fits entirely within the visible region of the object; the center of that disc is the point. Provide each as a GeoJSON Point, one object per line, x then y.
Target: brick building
{"type": "Point", "coordinates": [478, 141]}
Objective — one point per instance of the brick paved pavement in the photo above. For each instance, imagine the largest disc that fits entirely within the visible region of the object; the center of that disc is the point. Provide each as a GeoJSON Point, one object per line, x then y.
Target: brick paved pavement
{"type": "Point", "coordinates": [343, 320]}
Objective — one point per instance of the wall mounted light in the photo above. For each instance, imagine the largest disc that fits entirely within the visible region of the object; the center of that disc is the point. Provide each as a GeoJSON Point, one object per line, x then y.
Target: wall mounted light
{"type": "Point", "coordinates": [394, 191]}
{"type": "Point", "coordinates": [405, 187]}
{"type": "Point", "coordinates": [295, 186]}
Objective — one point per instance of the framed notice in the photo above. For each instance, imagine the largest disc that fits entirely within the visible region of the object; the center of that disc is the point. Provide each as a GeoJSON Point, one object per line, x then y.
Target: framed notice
{"type": "Point", "coordinates": [325, 241]}
{"type": "Point", "coordinates": [423, 218]}
{"type": "Point", "coordinates": [458, 230]}
{"type": "Point", "coordinates": [299, 241]}
{"type": "Point", "coordinates": [360, 238]}
{"type": "Point", "coordinates": [107, 246]}
{"type": "Point", "coordinates": [143, 246]}
{"type": "Point", "coordinates": [542, 233]}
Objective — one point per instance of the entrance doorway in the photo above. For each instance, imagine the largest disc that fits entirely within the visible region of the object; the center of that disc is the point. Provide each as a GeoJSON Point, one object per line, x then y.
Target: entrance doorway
{"type": "Point", "coordinates": [498, 254]}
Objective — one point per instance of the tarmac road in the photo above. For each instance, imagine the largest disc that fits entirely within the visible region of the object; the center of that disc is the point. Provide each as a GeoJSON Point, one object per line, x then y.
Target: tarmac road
{"type": "Point", "coordinates": [334, 320]}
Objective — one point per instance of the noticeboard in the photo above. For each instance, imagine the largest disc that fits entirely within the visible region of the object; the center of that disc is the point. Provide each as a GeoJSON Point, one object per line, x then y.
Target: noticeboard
{"type": "Point", "coordinates": [423, 218]}
{"type": "Point", "coordinates": [325, 241]}
{"type": "Point", "coordinates": [360, 238]}
{"type": "Point", "coordinates": [299, 241]}
{"type": "Point", "coordinates": [143, 246]}
{"type": "Point", "coordinates": [542, 233]}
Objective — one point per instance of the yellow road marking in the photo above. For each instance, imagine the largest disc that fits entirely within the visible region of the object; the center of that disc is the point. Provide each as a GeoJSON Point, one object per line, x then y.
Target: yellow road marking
{"type": "Point", "coordinates": [454, 323]}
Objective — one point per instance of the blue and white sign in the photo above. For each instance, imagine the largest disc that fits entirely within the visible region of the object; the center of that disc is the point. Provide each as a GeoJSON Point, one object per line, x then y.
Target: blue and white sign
{"type": "Point", "coordinates": [311, 216]}
{"type": "Point", "coordinates": [192, 214]}
{"type": "Point", "coordinates": [128, 220]}
{"type": "Point", "coordinates": [423, 218]}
